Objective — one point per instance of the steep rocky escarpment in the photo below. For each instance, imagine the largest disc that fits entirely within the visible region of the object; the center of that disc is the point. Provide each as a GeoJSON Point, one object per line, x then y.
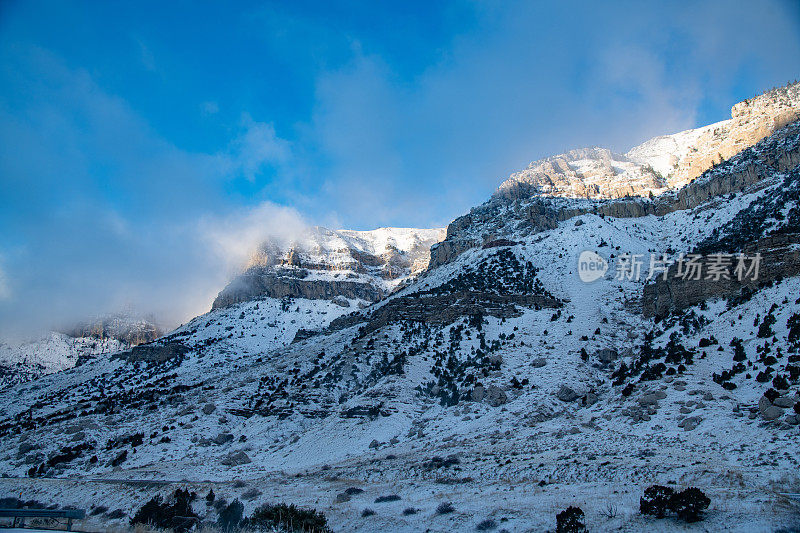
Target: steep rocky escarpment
{"type": "Point", "coordinates": [263, 282]}
{"type": "Point", "coordinates": [779, 258]}
{"type": "Point", "coordinates": [682, 157]}
{"type": "Point", "coordinates": [503, 215]}
{"type": "Point", "coordinates": [326, 264]}
{"type": "Point", "coordinates": [444, 309]}
{"type": "Point", "coordinates": [769, 227]}
{"type": "Point", "coordinates": [500, 286]}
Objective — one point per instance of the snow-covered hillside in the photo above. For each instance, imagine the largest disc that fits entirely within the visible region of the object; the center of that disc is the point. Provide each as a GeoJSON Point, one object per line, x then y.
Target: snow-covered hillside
{"type": "Point", "coordinates": [25, 360]}
{"type": "Point", "coordinates": [498, 380]}
{"type": "Point", "coordinates": [28, 358]}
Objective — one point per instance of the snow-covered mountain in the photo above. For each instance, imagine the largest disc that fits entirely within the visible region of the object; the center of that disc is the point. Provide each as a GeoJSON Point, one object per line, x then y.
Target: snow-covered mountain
{"type": "Point", "coordinates": [660, 164]}
{"type": "Point", "coordinates": [324, 264]}
{"type": "Point", "coordinates": [28, 358]}
{"type": "Point", "coordinates": [498, 380]}
{"type": "Point", "coordinates": [22, 361]}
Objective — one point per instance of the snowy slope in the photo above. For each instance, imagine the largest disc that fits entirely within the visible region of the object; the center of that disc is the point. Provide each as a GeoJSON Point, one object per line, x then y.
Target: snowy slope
{"type": "Point", "coordinates": [24, 360]}
{"type": "Point", "coordinates": [28, 358]}
{"type": "Point", "coordinates": [563, 444]}
{"type": "Point", "coordinates": [664, 153]}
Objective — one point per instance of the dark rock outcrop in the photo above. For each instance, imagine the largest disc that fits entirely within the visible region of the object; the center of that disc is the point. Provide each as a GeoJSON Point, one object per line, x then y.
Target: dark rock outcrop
{"type": "Point", "coordinates": [445, 309]}
{"type": "Point", "coordinates": [157, 352]}
{"type": "Point", "coordinates": [264, 282]}
{"type": "Point", "coordinates": [780, 258]}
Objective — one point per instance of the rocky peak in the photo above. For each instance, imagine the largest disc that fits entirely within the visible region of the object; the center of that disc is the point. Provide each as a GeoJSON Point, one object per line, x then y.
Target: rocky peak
{"type": "Point", "coordinates": [655, 177]}
{"type": "Point", "coordinates": [682, 157]}
{"type": "Point", "coordinates": [325, 264]}
{"type": "Point", "coordinates": [662, 163]}
{"type": "Point", "coordinates": [584, 173]}
{"type": "Point", "coordinates": [388, 253]}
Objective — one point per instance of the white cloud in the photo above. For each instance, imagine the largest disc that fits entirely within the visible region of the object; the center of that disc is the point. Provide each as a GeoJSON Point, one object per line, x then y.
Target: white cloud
{"type": "Point", "coordinates": [5, 289]}
{"type": "Point", "coordinates": [233, 238]}
{"type": "Point", "coordinates": [115, 215]}
{"type": "Point", "coordinates": [258, 147]}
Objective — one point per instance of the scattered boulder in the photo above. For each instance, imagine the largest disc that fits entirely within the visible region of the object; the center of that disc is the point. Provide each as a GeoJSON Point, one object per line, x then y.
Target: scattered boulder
{"type": "Point", "coordinates": [236, 459]}
{"type": "Point", "coordinates": [223, 438]}
{"type": "Point", "coordinates": [495, 359]}
{"type": "Point", "coordinates": [495, 396]}
{"type": "Point", "coordinates": [652, 398]}
{"type": "Point", "coordinates": [764, 404]}
{"type": "Point", "coordinates": [209, 408]}
{"type": "Point", "coordinates": [539, 362]}
{"type": "Point", "coordinates": [341, 301]}
{"type": "Point", "coordinates": [772, 413]}
{"type": "Point", "coordinates": [34, 458]}
{"type": "Point", "coordinates": [589, 400]}
{"type": "Point", "coordinates": [26, 447]}
{"type": "Point", "coordinates": [374, 444]}
{"type": "Point", "coordinates": [566, 394]}
{"type": "Point", "coordinates": [477, 393]}
{"type": "Point", "coordinates": [606, 355]}
{"type": "Point", "coordinates": [689, 423]}
{"type": "Point", "coordinates": [251, 494]}
{"type": "Point", "coordinates": [783, 401]}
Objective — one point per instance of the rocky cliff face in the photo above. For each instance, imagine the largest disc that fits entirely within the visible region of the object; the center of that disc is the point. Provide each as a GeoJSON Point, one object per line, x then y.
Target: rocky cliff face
{"type": "Point", "coordinates": [780, 259]}
{"type": "Point", "coordinates": [584, 173]}
{"type": "Point", "coordinates": [682, 157]}
{"type": "Point", "coordinates": [125, 328]}
{"type": "Point", "coordinates": [769, 226]}
{"type": "Point", "coordinates": [324, 264]}
{"type": "Point", "coordinates": [656, 177]}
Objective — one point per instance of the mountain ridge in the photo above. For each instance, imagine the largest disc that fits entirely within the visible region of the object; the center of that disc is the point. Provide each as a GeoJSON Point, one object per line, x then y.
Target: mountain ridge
{"type": "Point", "coordinates": [496, 371]}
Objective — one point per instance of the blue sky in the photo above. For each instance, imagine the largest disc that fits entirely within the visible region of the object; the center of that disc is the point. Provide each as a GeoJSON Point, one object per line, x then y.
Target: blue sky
{"type": "Point", "coordinates": [146, 146]}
